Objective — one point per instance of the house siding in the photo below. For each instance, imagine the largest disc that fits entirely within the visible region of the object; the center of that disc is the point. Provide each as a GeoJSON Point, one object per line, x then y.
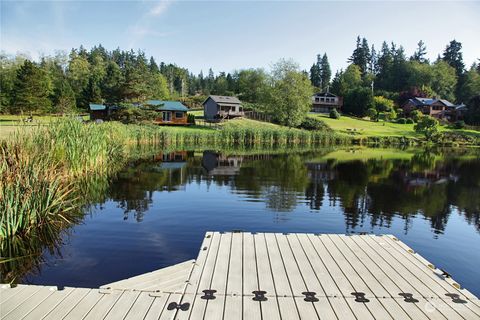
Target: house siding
{"type": "Point", "coordinates": [210, 109]}
{"type": "Point", "coordinates": [173, 118]}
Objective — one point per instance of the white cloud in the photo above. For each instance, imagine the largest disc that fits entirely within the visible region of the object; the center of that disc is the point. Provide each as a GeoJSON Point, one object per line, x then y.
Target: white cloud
{"type": "Point", "coordinates": [159, 8]}
{"type": "Point", "coordinates": [142, 27]}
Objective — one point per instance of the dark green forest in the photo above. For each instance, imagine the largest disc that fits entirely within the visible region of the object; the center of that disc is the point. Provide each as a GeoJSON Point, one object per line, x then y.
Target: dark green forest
{"type": "Point", "coordinates": [66, 83]}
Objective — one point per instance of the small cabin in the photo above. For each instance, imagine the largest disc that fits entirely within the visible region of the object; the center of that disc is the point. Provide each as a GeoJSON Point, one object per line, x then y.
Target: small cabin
{"type": "Point", "coordinates": [101, 111]}
{"type": "Point", "coordinates": [170, 112]}
{"type": "Point", "coordinates": [324, 102]}
{"type": "Point", "coordinates": [222, 107]}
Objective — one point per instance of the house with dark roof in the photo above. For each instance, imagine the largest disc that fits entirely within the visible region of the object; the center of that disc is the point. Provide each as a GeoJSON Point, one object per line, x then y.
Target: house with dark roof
{"type": "Point", "coordinates": [324, 102]}
{"type": "Point", "coordinates": [222, 107]}
{"type": "Point", "coordinates": [170, 112]}
{"type": "Point", "coordinates": [438, 108]}
{"type": "Point", "coordinates": [101, 111]}
{"type": "Point", "coordinates": [456, 112]}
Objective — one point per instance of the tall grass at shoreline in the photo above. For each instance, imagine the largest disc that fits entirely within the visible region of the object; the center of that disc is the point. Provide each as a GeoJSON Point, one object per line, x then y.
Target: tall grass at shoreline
{"type": "Point", "coordinates": [42, 169]}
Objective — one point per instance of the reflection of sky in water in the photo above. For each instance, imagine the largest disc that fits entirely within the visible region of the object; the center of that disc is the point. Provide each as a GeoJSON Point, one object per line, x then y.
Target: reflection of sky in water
{"type": "Point", "coordinates": [148, 227]}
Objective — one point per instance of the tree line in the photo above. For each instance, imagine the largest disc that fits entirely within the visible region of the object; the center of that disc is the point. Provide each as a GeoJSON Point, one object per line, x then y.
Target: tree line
{"type": "Point", "coordinates": [67, 82]}
{"type": "Point", "coordinates": [390, 74]}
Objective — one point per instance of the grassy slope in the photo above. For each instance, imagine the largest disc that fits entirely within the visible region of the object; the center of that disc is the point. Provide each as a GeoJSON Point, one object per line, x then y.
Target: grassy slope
{"type": "Point", "coordinates": [366, 128]}
{"type": "Point", "coordinates": [196, 113]}
{"type": "Point", "coordinates": [364, 154]}
{"type": "Point", "coordinates": [359, 127]}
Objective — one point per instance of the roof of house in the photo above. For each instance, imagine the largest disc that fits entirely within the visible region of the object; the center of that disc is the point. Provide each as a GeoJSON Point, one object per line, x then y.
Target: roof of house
{"type": "Point", "coordinates": [167, 105]}
{"type": "Point", "coordinates": [224, 99]}
{"type": "Point", "coordinates": [325, 94]}
{"type": "Point", "coordinates": [101, 107]}
{"type": "Point", "coordinates": [446, 102]}
{"type": "Point", "coordinates": [418, 102]}
{"type": "Point", "coordinates": [97, 107]}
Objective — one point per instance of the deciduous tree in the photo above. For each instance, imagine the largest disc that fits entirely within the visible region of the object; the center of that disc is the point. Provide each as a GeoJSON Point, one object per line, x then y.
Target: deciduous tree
{"type": "Point", "coordinates": [291, 93]}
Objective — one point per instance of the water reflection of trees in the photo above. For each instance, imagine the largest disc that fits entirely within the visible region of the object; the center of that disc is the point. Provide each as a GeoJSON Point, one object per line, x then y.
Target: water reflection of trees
{"type": "Point", "coordinates": [372, 191]}
{"type": "Point", "coordinates": [406, 188]}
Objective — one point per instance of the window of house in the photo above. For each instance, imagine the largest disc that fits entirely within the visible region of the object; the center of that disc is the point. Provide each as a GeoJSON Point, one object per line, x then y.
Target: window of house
{"type": "Point", "coordinates": [178, 115]}
{"type": "Point", "coordinates": [316, 99]}
{"type": "Point", "coordinates": [322, 99]}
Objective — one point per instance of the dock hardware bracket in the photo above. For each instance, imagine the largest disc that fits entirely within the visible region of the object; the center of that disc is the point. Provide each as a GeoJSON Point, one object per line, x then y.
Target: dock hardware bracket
{"type": "Point", "coordinates": [310, 296]}
{"type": "Point", "coordinates": [360, 297]}
{"type": "Point", "coordinates": [181, 306]}
{"type": "Point", "coordinates": [455, 298]}
{"type": "Point", "coordinates": [208, 294]}
{"type": "Point", "coordinates": [445, 273]}
{"type": "Point", "coordinates": [259, 296]}
{"type": "Point", "coordinates": [408, 297]}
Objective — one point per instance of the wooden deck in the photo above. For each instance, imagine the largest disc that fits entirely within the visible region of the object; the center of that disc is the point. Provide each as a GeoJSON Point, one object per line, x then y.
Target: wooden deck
{"type": "Point", "coordinates": [266, 276]}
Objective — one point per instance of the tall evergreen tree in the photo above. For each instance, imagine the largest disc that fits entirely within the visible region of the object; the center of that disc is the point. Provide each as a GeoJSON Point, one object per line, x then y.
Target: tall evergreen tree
{"type": "Point", "coordinates": [78, 74]}
{"type": "Point", "coordinates": [113, 83]}
{"type": "Point", "coordinates": [373, 62]}
{"type": "Point", "coordinates": [384, 67]}
{"type": "Point", "coordinates": [326, 72]}
{"type": "Point", "coordinates": [399, 71]}
{"type": "Point", "coordinates": [31, 89]}
{"type": "Point", "coordinates": [315, 75]}
{"type": "Point", "coordinates": [64, 97]}
{"type": "Point", "coordinates": [420, 52]}
{"type": "Point", "coordinates": [454, 57]}
{"type": "Point", "coordinates": [361, 55]}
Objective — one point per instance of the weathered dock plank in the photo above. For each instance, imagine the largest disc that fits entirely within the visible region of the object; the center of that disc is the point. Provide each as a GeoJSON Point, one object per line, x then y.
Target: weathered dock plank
{"type": "Point", "coordinates": [266, 276]}
{"type": "Point", "coordinates": [171, 278]}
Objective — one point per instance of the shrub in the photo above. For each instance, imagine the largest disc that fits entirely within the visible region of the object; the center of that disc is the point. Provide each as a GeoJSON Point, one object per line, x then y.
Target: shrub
{"type": "Point", "coordinates": [401, 120]}
{"type": "Point", "coordinates": [416, 115]}
{"type": "Point", "coordinates": [459, 124]}
{"type": "Point", "coordinates": [134, 115]}
{"type": "Point", "coordinates": [334, 114]}
{"type": "Point", "coordinates": [410, 121]}
{"type": "Point", "coordinates": [372, 114]}
{"type": "Point", "coordinates": [428, 126]}
{"type": "Point", "coordinates": [191, 118]}
{"type": "Point", "coordinates": [310, 123]}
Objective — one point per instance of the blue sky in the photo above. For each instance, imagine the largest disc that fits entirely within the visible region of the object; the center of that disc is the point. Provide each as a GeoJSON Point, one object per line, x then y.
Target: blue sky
{"type": "Point", "coordinates": [228, 35]}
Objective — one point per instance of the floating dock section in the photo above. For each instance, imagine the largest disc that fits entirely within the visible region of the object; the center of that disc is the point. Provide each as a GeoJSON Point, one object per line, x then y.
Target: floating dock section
{"type": "Point", "coordinates": [252, 276]}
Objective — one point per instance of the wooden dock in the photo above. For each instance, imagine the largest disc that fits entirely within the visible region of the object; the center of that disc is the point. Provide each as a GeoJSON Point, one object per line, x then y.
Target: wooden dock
{"type": "Point", "coordinates": [266, 276]}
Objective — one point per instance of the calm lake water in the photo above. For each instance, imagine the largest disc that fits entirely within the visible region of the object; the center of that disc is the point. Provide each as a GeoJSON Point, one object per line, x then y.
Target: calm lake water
{"type": "Point", "coordinates": [155, 212]}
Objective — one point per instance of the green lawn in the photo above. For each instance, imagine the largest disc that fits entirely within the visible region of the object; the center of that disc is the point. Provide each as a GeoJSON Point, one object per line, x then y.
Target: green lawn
{"type": "Point", "coordinates": [364, 154]}
{"type": "Point", "coordinates": [196, 113]}
{"type": "Point", "coordinates": [248, 123]}
{"type": "Point", "coordinates": [365, 128]}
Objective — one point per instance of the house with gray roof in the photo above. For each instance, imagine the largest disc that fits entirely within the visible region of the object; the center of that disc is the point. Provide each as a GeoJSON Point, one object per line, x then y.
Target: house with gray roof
{"type": "Point", "coordinates": [222, 107]}
{"type": "Point", "coordinates": [324, 102]}
{"type": "Point", "coordinates": [438, 108]}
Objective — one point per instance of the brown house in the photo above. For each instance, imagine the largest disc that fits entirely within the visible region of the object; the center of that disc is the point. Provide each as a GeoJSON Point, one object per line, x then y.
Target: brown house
{"type": "Point", "coordinates": [455, 113]}
{"type": "Point", "coordinates": [324, 102]}
{"type": "Point", "coordinates": [101, 111]}
{"type": "Point", "coordinates": [438, 108]}
{"type": "Point", "coordinates": [170, 112]}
